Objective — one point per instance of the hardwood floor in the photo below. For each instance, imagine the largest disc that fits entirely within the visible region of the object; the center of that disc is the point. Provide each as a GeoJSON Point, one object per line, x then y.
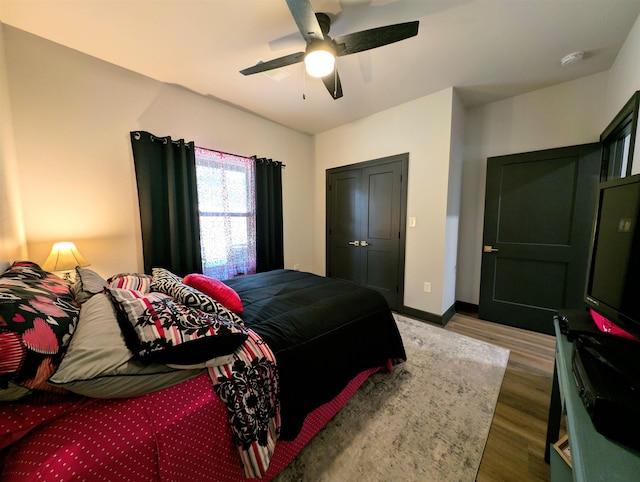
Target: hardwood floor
{"type": "Point", "coordinates": [516, 444]}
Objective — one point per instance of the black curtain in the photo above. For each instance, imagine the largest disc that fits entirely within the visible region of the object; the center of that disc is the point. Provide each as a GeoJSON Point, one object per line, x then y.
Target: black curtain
{"type": "Point", "coordinates": [168, 198]}
{"type": "Point", "coordinates": [269, 234]}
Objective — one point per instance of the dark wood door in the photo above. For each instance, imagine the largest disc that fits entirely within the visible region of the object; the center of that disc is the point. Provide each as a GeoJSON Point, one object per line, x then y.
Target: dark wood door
{"type": "Point", "coordinates": [345, 214]}
{"type": "Point", "coordinates": [537, 227]}
{"type": "Point", "coordinates": [365, 225]}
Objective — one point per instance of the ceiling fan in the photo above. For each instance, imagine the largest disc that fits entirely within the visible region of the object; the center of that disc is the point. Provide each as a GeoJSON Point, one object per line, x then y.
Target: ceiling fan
{"type": "Point", "coordinates": [321, 51]}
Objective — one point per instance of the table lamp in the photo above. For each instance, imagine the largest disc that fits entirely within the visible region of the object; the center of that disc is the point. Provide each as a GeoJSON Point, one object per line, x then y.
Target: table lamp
{"type": "Point", "coordinates": [64, 256]}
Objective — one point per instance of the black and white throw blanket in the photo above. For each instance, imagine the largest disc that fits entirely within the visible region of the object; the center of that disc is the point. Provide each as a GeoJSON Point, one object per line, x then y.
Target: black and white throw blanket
{"type": "Point", "coordinates": [248, 386]}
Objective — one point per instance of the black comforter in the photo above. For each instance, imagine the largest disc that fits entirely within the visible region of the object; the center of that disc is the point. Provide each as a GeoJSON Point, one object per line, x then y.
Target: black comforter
{"type": "Point", "coordinates": [322, 331]}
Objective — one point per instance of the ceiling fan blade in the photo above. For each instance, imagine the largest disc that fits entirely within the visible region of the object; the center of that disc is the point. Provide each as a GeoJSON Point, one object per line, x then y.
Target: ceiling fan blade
{"type": "Point", "coordinates": [287, 42]}
{"type": "Point", "coordinates": [333, 84]}
{"type": "Point", "coordinates": [376, 37]}
{"type": "Point", "coordinates": [274, 64]}
{"type": "Point", "coordinates": [306, 19]}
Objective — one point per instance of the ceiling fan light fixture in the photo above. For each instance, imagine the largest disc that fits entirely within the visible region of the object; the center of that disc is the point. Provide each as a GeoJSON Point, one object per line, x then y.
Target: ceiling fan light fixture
{"type": "Point", "coordinates": [321, 50]}
{"type": "Point", "coordinates": [319, 60]}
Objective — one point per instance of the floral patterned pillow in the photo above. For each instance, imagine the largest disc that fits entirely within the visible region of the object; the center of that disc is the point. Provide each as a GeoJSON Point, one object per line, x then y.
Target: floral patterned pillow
{"type": "Point", "coordinates": [37, 317]}
{"type": "Point", "coordinates": [159, 330]}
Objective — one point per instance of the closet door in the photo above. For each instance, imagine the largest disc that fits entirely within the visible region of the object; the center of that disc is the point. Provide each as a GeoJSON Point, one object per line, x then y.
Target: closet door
{"type": "Point", "coordinates": [365, 226]}
{"type": "Point", "coordinates": [345, 214]}
{"type": "Point", "coordinates": [380, 229]}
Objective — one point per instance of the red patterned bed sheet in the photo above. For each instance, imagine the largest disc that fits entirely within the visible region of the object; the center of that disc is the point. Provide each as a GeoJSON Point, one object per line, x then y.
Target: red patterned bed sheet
{"type": "Point", "coordinates": [177, 434]}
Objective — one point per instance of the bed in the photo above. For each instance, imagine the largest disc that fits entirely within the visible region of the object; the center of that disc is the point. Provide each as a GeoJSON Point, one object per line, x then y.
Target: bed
{"type": "Point", "coordinates": [288, 350]}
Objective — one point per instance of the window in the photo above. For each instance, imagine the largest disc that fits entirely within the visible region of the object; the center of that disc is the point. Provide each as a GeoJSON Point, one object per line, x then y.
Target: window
{"type": "Point", "coordinates": [616, 152]}
{"type": "Point", "coordinates": [226, 202]}
{"type": "Point", "coordinates": [619, 141]}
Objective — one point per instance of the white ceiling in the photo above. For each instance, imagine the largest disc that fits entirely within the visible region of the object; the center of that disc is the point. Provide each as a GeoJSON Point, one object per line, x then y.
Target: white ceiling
{"type": "Point", "coordinates": [489, 49]}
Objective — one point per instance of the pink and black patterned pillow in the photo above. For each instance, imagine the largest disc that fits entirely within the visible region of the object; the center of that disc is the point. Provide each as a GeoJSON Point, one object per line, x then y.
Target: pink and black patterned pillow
{"type": "Point", "coordinates": [164, 281]}
{"type": "Point", "coordinates": [37, 317]}
{"type": "Point", "coordinates": [25, 270]}
{"type": "Point", "coordinates": [131, 281]}
{"type": "Point", "coordinates": [157, 329]}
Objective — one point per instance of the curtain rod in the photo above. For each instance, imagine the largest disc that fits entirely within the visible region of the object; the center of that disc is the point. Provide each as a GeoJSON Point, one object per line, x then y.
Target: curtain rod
{"type": "Point", "coordinates": [254, 157]}
{"type": "Point", "coordinates": [267, 161]}
{"type": "Point", "coordinates": [224, 153]}
{"type": "Point", "coordinates": [137, 135]}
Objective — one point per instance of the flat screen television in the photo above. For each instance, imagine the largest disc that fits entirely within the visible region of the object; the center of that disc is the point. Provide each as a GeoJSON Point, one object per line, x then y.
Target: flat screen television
{"type": "Point", "coordinates": [613, 275]}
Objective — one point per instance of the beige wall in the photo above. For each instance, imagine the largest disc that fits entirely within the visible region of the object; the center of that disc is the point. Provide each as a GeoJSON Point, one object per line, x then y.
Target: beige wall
{"type": "Point", "coordinates": [72, 115]}
{"type": "Point", "coordinates": [12, 238]}
{"type": "Point", "coordinates": [454, 202]}
{"type": "Point", "coordinates": [423, 129]}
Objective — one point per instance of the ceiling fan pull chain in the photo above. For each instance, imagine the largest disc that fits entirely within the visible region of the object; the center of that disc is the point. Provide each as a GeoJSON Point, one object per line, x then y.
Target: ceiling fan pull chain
{"type": "Point", "coordinates": [304, 84]}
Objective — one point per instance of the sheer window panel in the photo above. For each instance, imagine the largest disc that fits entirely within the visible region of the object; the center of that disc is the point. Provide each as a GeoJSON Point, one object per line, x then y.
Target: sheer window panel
{"type": "Point", "coordinates": [226, 200]}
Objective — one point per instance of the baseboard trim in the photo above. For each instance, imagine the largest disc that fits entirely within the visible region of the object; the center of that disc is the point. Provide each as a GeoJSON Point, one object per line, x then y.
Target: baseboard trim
{"type": "Point", "coordinates": [447, 315]}
{"type": "Point", "coordinates": [441, 320]}
{"type": "Point", "coordinates": [464, 307]}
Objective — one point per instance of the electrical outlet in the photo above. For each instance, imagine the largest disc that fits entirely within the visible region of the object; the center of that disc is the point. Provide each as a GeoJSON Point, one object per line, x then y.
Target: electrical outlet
{"type": "Point", "coordinates": [427, 287]}
{"type": "Point", "coordinates": [296, 266]}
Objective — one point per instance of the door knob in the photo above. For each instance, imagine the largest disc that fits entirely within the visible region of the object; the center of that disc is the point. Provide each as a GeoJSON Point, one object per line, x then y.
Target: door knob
{"type": "Point", "coordinates": [364, 243]}
{"type": "Point", "coordinates": [490, 249]}
{"type": "Point", "coordinates": [354, 243]}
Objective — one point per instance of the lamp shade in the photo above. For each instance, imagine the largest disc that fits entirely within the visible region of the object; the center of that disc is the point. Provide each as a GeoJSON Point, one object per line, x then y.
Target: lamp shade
{"type": "Point", "coordinates": [64, 256]}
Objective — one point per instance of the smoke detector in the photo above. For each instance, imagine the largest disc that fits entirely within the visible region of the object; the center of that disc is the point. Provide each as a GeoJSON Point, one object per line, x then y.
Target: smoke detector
{"type": "Point", "coordinates": [572, 58]}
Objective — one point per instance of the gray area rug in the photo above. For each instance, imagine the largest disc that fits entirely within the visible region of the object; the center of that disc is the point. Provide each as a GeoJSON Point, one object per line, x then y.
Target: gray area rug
{"type": "Point", "coordinates": [428, 420]}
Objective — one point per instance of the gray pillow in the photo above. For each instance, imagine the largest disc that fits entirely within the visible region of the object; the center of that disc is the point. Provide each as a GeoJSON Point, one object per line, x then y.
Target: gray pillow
{"type": "Point", "coordinates": [87, 284]}
{"type": "Point", "coordinates": [13, 392]}
{"type": "Point", "coordinates": [98, 364]}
